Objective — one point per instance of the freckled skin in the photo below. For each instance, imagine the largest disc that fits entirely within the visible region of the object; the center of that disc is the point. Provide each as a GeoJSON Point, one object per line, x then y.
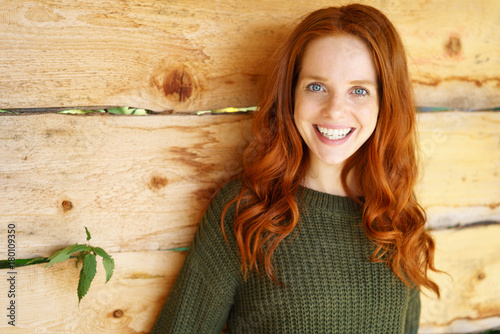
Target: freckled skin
{"type": "Point", "coordinates": [336, 88]}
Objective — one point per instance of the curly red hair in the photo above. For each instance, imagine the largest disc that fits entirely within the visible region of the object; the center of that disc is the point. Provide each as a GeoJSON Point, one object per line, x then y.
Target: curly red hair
{"type": "Point", "coordinates": [384, 169]}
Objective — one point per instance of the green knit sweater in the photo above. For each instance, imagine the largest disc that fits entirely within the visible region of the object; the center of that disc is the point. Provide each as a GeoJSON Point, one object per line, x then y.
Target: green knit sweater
{"type": "Point", "coordinates": [329, 284]}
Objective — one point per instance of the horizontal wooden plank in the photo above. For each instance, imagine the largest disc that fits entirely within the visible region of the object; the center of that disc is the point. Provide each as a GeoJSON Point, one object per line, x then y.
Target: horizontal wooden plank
{"type": "Point", "coordinates": [131, 301]}
{"type": "Point", "coordinates": [136, 183]}
{"type": "Point", "coordinates": [46, 299]}
{"type": "Point", "coordinates": [470, 301]}
{"type": "Point", "coordinates": [142, 183]}
{"type": "Point", "coordinates": [187, 55]}
{"type": "Point", "coordinates": [461, 171]}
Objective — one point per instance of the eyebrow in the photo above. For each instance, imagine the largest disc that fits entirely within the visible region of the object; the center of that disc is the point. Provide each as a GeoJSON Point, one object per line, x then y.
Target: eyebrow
{"type": "Point", "coordinates": [363, 82]}
{"type": "Point", "coordinates": [313, 77]}
{"type": "Point", "coordinates": [354, 82]}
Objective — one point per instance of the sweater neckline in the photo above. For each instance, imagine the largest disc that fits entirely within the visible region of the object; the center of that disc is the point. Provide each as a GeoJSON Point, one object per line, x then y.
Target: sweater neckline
{"type": "Point", "coordinates": [327, 202]}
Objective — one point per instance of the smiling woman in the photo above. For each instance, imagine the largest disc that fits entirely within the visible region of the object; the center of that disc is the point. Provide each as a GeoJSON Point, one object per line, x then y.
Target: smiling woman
{"type": "Point", "coordinates": [324, 206]}
{"type": "Point", "coordinates": [336, 106]}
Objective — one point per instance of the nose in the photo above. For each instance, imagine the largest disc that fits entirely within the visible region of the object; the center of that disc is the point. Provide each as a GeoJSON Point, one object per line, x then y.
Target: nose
{"type": "Point", "coordinates": [334, 106]}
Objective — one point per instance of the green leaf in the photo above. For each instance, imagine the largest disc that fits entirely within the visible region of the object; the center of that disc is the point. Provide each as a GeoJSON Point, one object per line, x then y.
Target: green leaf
{"type": "Point", "coordinates": [61, 255]}
{"type": "Point", "coordinates": [88, 233]}
{"type": "Point", "coordinates": [119, 111]}
{"type": "Point", "coordinates": [101, 252]}
{"type": "Point", "coordinates": [107, 262]}
{"type": "Point", "coordinates": [53, 255]}
{"type": "Point", "coordinates": [80, 248]}
{"type": "Point", "coordinates": [127, 111]}
{"type": "Point", "coordinates": [79, 111]}
{"type": "Point", "coordinates": [83, 285]}
{"type": "Point", "coordinates": [109, 266]}
{"type": "Point", "coordinates": [139, 112]}
{"type": "Point", "coordinates": [64, 254]}
{"type": "Point", "coordinates": [89, 266]}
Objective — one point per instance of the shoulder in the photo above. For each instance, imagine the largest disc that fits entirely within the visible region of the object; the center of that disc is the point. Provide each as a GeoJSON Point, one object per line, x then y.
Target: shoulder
{"type": "Point", "coordinates": [217, 206]}
{"type": "Point", "coordinates": [228, 191]}
{"type": "Point", "coordinates": [225, 194]}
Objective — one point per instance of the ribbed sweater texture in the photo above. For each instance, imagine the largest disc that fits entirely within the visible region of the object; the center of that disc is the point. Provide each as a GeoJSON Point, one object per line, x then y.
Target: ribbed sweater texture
{"type": "Point", "coordinates": [329, 284]}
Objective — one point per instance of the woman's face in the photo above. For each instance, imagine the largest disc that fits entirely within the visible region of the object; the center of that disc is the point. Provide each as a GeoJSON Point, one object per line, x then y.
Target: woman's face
{"type": "Point", "coordinates": [336, 98]}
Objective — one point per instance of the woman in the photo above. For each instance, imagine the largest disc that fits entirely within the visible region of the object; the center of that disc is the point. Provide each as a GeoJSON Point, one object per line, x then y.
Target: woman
{"type": "Point", "coordinates": [321, 232]}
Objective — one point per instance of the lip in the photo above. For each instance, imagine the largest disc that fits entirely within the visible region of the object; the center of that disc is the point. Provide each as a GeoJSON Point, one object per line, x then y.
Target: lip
{"type": "Point", "coordinates": [333, 142]}
{"type": "Point", "coordinates": [333, 126]}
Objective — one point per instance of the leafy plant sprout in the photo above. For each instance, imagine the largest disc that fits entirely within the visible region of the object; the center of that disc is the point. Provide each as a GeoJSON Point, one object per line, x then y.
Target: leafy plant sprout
{"type": "Point", "coordinates": [87, 255]}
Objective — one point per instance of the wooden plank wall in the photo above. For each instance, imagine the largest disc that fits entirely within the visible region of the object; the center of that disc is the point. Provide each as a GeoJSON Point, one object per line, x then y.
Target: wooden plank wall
{"type": "Point", "coordinates": [140, 184]}
{"type": "Point", "coordinates": [189, 54]}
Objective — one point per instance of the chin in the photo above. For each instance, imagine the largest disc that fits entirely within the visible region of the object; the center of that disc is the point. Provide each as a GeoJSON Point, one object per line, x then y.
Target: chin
{"type": "Point", "coordinates": [336, 161]}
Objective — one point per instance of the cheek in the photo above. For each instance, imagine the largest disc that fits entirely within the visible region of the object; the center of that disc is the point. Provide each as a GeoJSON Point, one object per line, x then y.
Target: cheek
{"type": "Point", "coordinates": [299, 114]}
{"type": "Point", "coordinates": [304, 110]}
{"type": "Point", "coordinates": [371, 119]}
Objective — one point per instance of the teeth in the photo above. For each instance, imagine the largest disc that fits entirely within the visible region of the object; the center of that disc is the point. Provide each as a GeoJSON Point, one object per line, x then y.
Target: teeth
{"type": "Point", "coordinates": [334, 134]}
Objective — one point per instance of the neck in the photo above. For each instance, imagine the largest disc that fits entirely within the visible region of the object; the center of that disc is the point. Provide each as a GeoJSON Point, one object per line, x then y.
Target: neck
{"type": "Point", "coordinates": [324, 177]}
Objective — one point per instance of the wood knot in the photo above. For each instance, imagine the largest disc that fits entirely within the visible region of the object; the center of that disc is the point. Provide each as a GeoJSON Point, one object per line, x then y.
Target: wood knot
{"type": "Point", "coordinates": [118, 313]}
{"type": "Point", "coordinates": [157, 182]}
{"type": "Point", "coordinates": [42, 14]}
{"type": "Point", "coordinates": [481, 276]}
{"type": "Point", "coordinates": [67, 205]}
{"type": "Point", "coordinates": [178, 85]}
{"type": "Point", "coordinates": [453, 46]}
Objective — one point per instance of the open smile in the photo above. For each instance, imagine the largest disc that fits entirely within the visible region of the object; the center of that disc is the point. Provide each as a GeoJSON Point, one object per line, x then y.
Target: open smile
{"type": "Point", "coordinates": [333, 136]}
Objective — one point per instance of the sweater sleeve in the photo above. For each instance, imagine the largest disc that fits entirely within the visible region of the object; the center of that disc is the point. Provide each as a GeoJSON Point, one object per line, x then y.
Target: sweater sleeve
{"type": "Point", "coordinates": [203, 293]}
{"type": "Point", "coordinates": [413, 312]}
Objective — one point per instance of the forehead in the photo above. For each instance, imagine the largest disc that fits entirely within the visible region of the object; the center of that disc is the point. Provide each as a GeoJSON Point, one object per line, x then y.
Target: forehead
{"type": "Point", "coordinates": [345, 55]}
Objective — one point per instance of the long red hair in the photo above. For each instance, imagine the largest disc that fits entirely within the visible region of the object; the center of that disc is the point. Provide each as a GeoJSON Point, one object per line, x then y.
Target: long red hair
{"type": "Point", "coordinates": [384, 169]}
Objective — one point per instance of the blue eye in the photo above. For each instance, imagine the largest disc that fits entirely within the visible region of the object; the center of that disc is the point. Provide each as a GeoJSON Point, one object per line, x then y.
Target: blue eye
{"type": "Point", "coordinates": [315, 87]}
{"type": "Point", "coordinates": [360, 91]}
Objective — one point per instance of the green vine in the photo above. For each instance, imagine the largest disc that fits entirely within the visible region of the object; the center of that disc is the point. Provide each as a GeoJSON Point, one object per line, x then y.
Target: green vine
{"type": "Point", "coordinates": [138, 111]}
{"type": "Point", "coordinates": [115, 111]}
{"type": "Point", "coordinates": [87, 255]}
